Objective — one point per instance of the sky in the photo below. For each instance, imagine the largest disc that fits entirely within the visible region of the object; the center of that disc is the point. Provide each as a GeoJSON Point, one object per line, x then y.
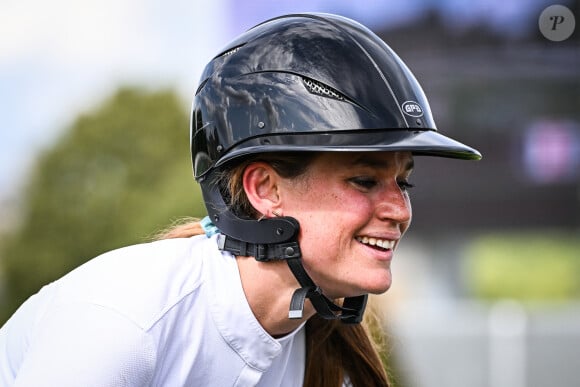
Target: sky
{"type": "Point", "coordinates": [60, 58]}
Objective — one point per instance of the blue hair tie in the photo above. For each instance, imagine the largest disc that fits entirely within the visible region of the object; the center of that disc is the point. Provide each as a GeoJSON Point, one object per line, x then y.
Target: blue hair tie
{"type": "Point", "coordinates": [209, 228]}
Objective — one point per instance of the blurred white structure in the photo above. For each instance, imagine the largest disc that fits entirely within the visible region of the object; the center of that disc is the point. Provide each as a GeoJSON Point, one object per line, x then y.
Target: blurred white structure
{"type": "Point", "coordinates": [471, 344]}
{"type": "Point", "coordinates": [440, 339]}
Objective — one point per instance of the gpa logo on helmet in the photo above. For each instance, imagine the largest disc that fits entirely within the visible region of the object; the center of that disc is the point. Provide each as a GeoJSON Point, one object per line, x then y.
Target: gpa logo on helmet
{"type": "Point", "coordinates": [412, 108]}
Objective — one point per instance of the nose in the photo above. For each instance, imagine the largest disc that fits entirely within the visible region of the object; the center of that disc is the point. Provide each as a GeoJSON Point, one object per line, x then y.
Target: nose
{"type": "Point", "coordinates": [394, 205]}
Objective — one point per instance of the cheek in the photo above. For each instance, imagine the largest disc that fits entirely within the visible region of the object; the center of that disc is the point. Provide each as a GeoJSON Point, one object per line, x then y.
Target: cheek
{"type": "Point", "coordinates": [329, 225]}
{"type": "Point", "coordinates": [329, 212]}
{"type": "Point", "coordinates": [341, 199]}
{"type": "Point", "coordinates": [328, 209]}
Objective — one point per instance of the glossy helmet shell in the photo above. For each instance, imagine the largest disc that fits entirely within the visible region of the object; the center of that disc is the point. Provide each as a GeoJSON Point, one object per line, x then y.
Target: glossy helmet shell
{"type": "Point", "coordinates": [311, 82]}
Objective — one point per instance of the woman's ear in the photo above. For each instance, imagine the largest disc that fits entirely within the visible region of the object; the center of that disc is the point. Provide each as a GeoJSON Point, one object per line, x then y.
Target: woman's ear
{"type": "Point", "coordinates": [261, 184]}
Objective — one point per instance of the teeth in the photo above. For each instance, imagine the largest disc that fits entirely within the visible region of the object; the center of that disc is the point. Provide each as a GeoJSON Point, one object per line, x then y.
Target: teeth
{"type": "Point", "coordinates": [384, 243]}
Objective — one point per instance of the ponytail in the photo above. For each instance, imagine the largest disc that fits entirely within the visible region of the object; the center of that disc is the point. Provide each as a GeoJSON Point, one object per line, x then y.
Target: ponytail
{"type": "Point", "coordinates": [337, 352]}
{"type": "Point", "coordinates": [183, 228]}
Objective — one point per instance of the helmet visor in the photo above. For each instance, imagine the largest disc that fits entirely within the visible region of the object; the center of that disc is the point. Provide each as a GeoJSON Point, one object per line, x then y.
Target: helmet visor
{"type": "Point", "coordinates": [424, 143]}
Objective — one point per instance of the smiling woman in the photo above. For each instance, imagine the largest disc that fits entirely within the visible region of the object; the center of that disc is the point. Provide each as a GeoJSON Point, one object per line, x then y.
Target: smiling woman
{"type": "Point", "coordinates": [366, 197]}
{"type": "Point", "coordinates": [304, 174]}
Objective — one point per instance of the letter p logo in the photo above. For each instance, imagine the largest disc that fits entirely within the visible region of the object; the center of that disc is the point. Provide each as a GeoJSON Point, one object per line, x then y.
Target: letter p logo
{"type": "Point", "coordinates": [556, 23]}
{"type": "Point", "coordinates": [557, 20]}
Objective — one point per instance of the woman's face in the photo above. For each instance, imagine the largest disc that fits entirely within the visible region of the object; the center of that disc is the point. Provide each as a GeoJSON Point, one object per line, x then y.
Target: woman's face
{"type": "Point", "coordinates": [353, 208]}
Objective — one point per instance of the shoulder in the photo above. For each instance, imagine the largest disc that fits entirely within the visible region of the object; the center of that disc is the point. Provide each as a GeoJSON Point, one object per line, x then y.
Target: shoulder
{"type": "Point", "coordinates": [141, 281]}
{"type": "Point", "coordinates": [109, 311]}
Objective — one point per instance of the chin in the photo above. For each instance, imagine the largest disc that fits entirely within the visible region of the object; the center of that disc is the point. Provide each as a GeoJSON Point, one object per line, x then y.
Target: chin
{"type": "Point", "coordinates": [380, 290]}
{"type": "Point", "coordinates": [379, 285]}
{"type": "Point", "coordinates": [375, 287]}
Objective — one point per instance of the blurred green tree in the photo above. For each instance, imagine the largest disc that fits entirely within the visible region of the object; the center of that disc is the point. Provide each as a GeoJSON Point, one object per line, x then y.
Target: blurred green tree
{"type": "Point", "coordinates": [120, 173]}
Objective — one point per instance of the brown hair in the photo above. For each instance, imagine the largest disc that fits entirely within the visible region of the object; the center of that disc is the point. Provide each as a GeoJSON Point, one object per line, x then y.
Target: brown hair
{"type": "Point", "coordinates": [334, 350]}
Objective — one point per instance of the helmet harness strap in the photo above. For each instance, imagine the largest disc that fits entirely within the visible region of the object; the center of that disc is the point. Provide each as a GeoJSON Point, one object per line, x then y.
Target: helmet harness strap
{"type": "Point", "coordinates": [351, 312]}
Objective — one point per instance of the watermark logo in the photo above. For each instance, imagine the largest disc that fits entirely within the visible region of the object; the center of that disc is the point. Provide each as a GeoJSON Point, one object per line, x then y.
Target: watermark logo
{"type": "Point", "coordinates": [557, 23]}
{"type": "Point", "coordinates": [412, 108]}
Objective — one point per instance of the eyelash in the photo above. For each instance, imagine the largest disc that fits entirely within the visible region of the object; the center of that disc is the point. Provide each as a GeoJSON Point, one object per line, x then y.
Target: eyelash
{"type": "Point", "coordinates": [405, 185]}
{"type": "Point", "coordinates": [369, 183]}
{"type": "Point", "coordinates": [364, 182]}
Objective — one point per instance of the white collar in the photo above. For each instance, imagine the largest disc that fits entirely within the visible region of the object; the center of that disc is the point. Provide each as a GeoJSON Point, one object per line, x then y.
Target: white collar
{"type": "Point", "coordinates": [232, 314]}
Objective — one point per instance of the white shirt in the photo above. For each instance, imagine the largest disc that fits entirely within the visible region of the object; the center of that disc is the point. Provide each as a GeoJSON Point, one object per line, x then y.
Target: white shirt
{"type": "Point", "coordinates": [168, 313]}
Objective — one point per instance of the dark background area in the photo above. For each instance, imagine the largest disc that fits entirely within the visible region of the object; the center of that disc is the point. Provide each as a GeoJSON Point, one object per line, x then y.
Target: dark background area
{"type": "Point", "coordinates": [503, 95]}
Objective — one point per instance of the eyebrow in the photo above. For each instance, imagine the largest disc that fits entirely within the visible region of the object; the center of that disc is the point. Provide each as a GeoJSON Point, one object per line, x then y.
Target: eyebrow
{"type": "Point", "coordinates": [375, 162]}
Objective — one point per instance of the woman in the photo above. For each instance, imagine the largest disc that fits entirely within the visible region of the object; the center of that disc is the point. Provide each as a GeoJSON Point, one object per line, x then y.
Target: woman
{"type": "Point", "coordinates": [303, 135]}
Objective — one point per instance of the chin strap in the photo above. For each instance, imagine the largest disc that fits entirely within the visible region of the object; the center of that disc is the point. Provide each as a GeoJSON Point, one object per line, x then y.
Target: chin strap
{"type": "Point", "coordinates": [352, 310]}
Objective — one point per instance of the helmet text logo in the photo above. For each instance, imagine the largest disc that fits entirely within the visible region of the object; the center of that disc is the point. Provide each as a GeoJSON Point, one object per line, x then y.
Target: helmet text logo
{"type": "Point", "coordinates": [412, 108]}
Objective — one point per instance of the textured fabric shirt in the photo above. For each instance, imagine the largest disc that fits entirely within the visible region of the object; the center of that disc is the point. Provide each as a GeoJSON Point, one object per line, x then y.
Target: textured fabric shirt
{"type": "Point", "coordinates": [168, 313]}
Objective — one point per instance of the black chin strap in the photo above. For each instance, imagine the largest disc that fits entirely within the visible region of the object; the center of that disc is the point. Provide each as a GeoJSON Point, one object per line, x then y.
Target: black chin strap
{"type": "Point", "coordinates": [352, 310]}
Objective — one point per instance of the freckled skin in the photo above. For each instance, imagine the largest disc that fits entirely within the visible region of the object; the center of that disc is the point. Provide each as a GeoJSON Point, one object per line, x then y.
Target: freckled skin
{"type": "Point", "coordinates": [342, 196]}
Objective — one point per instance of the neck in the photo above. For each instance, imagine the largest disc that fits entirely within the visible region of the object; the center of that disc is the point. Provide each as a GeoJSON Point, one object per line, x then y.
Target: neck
{"type": "Point", "coordinates": [268, 287]}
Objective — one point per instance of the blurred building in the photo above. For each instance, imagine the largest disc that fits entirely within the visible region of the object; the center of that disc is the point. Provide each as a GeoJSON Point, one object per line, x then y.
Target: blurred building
{"type": "Point", "coordinates": [517, 101]}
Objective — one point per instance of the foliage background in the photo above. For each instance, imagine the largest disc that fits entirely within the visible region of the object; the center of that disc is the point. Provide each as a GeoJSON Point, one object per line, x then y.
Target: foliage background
{"type": "Point", "coordinates": [118, 174]}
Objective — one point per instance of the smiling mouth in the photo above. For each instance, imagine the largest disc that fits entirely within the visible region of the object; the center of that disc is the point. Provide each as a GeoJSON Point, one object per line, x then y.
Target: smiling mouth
{"type": "Point", "coordinates": [377, 243]}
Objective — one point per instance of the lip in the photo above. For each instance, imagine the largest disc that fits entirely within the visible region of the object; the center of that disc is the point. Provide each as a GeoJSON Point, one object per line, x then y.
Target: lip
{"type": "Point", "coordinates": [392, 236]}
{"type": "Point", "coordinates": [381, 255]}
{"type": "Point", "coordinates": [388, 237]}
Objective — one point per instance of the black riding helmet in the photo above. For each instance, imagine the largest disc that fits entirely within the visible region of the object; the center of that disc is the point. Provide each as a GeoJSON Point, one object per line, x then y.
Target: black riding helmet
{"type": "Point", "coordinates": [302, 83]}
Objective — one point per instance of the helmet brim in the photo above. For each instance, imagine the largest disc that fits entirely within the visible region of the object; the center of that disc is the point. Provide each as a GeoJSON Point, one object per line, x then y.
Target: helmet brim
{"type": "Point", "coordinates": [422, 143]}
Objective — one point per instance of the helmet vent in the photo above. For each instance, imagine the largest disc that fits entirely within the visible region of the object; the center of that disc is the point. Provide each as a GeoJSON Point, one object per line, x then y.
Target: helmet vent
{"type": "Point", "coordinates": [321, 89]}
{"type": "Point", "coordinates": [231, 51]}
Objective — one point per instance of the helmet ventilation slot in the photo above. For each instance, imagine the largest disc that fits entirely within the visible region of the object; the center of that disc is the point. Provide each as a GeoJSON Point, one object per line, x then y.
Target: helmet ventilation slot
{"type": "Point", "coordinates": [321, 89]}
{"type": "Point", "coordinates": [231, 51]}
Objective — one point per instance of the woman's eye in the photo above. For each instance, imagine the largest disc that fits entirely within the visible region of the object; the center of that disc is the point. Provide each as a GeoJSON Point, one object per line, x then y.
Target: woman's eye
{"type": "Point", "coordinates": [405, 185]}
{"type": "Point", "coordinates": [364, 182]}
